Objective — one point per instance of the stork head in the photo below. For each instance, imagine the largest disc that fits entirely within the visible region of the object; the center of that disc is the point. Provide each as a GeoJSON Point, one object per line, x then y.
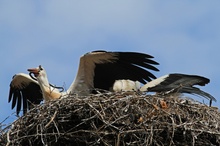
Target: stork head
{"type": "Point", "coordinates": [40, 74]}
{"type": "Point", "coordinates": [49, 92]}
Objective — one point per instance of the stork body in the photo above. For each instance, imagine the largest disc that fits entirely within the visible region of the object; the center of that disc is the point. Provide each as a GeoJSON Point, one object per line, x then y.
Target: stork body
{"type": "Point", "coordinates": [180, 83]}
{"type": "Point", "coordinates": [167, 84]}
{"type": "Point", "coordinates": [98, 69]}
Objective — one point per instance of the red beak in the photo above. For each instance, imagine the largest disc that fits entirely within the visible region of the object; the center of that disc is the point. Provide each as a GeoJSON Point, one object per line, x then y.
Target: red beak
{"type": "Point", "coordinates": [35, 71]}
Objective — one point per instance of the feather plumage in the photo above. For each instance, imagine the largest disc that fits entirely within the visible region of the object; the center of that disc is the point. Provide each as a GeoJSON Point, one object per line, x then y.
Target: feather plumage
{"type": "Point", "coordinates": [180, 83]}
{"type": "Point", "coordinates": [98, 69]}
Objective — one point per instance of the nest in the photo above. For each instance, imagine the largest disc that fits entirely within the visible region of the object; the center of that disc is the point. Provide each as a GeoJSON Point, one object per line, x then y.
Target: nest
{"type": "Point", "coordinates": [117, 119]}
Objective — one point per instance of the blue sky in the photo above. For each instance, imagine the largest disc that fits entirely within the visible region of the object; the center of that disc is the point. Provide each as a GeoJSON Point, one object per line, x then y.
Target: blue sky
{"type": "Point", "coordinates": [184, 37]}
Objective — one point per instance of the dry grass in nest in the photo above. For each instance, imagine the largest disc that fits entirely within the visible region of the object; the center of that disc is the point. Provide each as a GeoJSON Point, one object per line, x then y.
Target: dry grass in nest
{"type": "Point", "coordinates": [117, 119]}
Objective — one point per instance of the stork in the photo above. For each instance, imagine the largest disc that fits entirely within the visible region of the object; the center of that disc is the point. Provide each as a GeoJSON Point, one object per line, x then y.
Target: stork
{"type": "Point", "coordinates": [168, 84]}
{"type": "Point", "coordinates": [178, 83]}
{"type": "Point", "coordinates": [98, 69]}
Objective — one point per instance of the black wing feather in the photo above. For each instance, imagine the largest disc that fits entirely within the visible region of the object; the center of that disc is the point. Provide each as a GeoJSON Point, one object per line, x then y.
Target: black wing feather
{"type": "Point", "coordinates": [24, 92]}
{"type": "Point", "coordinates": [18, 109]}
{"type": "Point", "coordinates": [128, 65]}
{"type": "Point", "coordinates": [10, 95]}
{"type": "Point", "coordinates": [14, 99]}
{"type": "Point", "coordinates": [135, 73]}
{"type": "Point", "coordinates": [188, 79]}
{"type": "Point", "coordinates": [183, 83]}
{"type": "Point", "coordinates": [25, 104]}
{"type": "Point", "coordinates": [197, 91]}
{"type": "Point", "coordinates": [176, 80]}
{"type": "Point", "coordinates": [139, 59]}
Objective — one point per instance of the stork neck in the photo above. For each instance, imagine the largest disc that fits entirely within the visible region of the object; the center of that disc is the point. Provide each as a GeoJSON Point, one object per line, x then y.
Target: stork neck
{"type": "Point", "coordinates": [43, 82]}
{"type": "Point", "coordinates": [49, 93]}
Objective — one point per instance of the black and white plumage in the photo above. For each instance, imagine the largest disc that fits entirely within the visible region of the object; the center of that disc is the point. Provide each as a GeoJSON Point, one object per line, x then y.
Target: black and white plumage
{"type": "Point", "coordinates": [24, 91]}
{"type": "Point", "coordinates": [180, 83]}
{"type": "Point", "coordinates": [98, 69]}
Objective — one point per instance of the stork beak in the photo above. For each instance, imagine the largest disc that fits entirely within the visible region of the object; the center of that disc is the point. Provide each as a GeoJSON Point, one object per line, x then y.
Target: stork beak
{"type": "Point", "coordinates": [35, 71]}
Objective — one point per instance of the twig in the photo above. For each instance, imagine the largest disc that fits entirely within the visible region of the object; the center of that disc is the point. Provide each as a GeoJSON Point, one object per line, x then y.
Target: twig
{"type": "Point", "coordinates": [51, 120]}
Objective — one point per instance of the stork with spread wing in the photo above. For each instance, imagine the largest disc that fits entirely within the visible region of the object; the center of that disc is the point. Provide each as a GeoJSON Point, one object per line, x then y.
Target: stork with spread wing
{"type": "Point", "coordinates": [178, 83]}
{"type": "Point", "coordinates": [113, 71]}
{"type": "Point", "coordinates": [98, 69]}
{"type": "Point", "coordinates": [168, 84]}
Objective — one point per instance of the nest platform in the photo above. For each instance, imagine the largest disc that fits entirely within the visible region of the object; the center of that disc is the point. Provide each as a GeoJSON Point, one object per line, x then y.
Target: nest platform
{"type": "Point", "coordinates": [117, 119]}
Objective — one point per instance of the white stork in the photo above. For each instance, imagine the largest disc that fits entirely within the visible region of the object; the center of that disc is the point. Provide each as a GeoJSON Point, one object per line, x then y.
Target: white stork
{"type": "Point", "coordinates": [98, 69]}
{"type": "Point", "coordinates": [168, 84]}
{"type": "Point", "coordinates": [178, 83]}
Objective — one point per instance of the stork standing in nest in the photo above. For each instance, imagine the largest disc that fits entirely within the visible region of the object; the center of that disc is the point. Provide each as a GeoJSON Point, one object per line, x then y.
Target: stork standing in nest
{"type": "Point", "coordinates": [179, 83]}
{"type": "Point", "coordinates": [113, 71]}
{"type": "Point", "coordinates": [98, 69]}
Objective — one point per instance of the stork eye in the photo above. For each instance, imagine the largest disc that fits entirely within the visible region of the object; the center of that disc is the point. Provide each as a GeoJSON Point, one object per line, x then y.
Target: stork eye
{"type": "Point", "coordinates": [40, 67]}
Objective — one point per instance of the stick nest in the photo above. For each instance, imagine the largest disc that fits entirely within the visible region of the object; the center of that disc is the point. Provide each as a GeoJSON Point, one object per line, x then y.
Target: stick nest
{"type": "Point", "coordinates": [117, 119]}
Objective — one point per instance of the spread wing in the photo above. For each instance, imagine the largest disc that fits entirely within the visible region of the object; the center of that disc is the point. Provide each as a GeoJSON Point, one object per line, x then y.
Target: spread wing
{"type": "Point", "coordinates": [24, 91]}
{"type": "Point", "coordinates": [100, 69]}
{"type": "Point", "coordinates": [181, 83]}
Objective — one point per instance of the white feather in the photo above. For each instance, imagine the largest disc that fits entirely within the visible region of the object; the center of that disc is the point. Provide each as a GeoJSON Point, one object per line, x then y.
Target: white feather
{"type": "Point", "coordinates": [126, 85]}
{"type": "Point", "coordinates": [22, 80]}
{"type": "Point", "coordinates": [153, 83]}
